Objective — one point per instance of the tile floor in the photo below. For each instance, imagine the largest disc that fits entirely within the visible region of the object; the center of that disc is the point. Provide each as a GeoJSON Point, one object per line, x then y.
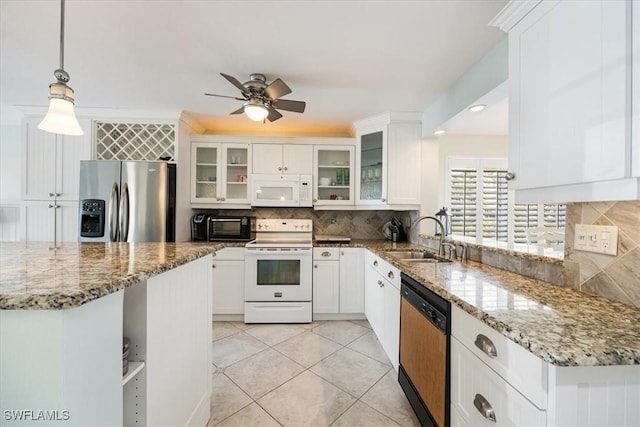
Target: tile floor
{"type": "Point", "coordinates": [331, 373]}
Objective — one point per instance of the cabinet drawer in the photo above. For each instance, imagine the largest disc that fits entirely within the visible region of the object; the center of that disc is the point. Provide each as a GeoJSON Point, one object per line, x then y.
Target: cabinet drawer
{"type": "Point", "coordinates": [230, 254]}
{"type": "Point", "coordinates": [483, 398]}
{"type": "Point", "coordinates": [385, 269]}
{"type": "Point", "coordinates": [520, 368]}
{"type": "Point", "coordinates": [326, 254]}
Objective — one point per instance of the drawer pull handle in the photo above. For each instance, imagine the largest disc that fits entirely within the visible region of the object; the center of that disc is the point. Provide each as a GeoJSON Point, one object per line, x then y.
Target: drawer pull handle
{"type": "Point", "coordinates": [486, 345]}
{"type": "Point", "coordinates": [375, 263]}
{"type": "Point", "coordinates": [390, 275]}
{"type": "Point", "coordinates": [325, 254]}
{"type": "Point", "coordinates": [484, 407]}
{"type": "Point", "coordinates": [380, 283]}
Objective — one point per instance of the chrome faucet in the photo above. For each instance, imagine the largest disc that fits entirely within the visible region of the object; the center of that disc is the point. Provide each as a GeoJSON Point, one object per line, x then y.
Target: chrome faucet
{"type": "Point", "coordinates": [442, 230]}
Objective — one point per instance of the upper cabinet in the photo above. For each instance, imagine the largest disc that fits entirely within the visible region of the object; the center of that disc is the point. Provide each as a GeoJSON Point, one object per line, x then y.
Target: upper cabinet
{"type": "Point", "coordinates": [333, 183]}
{"type": "Point", "coordinates": [220, 173]}
{"type": "Point", "coordinates": [52, 162]}
{"type": "Point", "coordinates": [388, 159]}
{"type": "Point", "coordinates": [573, 87]}
{"type": "Point", "coordinates": [283, 159]}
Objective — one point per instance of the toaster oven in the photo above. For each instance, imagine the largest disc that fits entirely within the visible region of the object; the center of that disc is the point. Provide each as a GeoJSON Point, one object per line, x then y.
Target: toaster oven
{"type": "Point", "coordinates": [207, 227]}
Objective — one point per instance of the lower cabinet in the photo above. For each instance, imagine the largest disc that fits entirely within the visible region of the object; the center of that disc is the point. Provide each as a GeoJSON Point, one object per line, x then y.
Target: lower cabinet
{"type": "Point", "coordinates": [228, 281]}
{"type": "Point", "coordinates": [50, 221]}
{"type": "Point", "coordinates": [382, 304]}
{"type": "Point", "coordinates": [496, 382]}
{"type": "Point", "coordinates": [338, 281]}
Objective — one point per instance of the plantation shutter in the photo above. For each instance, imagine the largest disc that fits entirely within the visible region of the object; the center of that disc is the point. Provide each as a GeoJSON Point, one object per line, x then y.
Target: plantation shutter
{"type": "Point", "coordinates": [555, 216]}
{"type": "Point", "coordinates": [464, 186]}
{"type": "Point", "coordinates": [524, 216]}
{"type": "Point", "coordinates": [495, 208]}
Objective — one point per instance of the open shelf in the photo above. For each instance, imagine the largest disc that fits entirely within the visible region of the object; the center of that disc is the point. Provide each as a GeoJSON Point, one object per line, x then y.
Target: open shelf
{"type": "Point", "coordinates": [134, 368]}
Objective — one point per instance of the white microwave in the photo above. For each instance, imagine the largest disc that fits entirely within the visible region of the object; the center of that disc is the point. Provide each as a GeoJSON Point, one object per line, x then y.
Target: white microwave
{"type": "Point", "coordinates": [281, 190]}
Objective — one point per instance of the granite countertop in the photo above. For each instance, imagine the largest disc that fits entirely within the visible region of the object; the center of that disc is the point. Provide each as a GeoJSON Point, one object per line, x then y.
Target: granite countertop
{"type": "Point", "coordinates": [32, 276]}
{"type": "Point", "coordinates": [561, 326]}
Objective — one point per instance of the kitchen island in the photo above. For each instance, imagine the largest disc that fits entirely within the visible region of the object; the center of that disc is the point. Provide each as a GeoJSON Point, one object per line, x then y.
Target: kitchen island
{"type": "Point", "coordinates": [64, 313]}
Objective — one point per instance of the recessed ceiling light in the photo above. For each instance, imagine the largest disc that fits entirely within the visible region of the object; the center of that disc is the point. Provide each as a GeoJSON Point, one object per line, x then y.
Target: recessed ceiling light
{"type": "Point", "coordinates": [438, 132]}
{"type": "Point", "coordinates": [477, 107]}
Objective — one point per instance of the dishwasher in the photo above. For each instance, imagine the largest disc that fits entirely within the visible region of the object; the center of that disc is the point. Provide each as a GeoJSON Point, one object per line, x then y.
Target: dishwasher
{"type": "Point", "coordinates": [425, 330]}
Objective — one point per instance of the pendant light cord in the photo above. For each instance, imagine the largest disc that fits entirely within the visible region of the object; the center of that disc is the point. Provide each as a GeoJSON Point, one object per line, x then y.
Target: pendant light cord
{"type": "Point", "coordinates": [62, 34]}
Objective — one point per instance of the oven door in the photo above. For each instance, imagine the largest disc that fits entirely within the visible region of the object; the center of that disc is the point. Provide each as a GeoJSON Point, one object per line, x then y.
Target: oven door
{"type": "Point", "coordinates": [278, 274]}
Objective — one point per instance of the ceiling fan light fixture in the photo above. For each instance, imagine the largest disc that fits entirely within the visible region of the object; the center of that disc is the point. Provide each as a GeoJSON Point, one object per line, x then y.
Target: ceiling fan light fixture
{"type": "Point", "coordinates": [61, 116]}
{"type": "Point", "coordinates": [256, 111]}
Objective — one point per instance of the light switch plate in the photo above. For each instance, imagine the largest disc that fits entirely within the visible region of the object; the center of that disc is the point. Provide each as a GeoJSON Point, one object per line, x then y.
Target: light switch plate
{"type": "Point", "coordinates": [601, 239]}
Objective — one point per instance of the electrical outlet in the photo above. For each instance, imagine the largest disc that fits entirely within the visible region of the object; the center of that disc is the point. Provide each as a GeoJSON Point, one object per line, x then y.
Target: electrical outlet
{"type": "Point", "coordinates": [601, 239]}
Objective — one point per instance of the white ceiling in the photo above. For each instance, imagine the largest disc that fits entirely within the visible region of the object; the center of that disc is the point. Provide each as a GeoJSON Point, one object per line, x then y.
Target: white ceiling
{"type": "Point", "coordinates": [347, 59]}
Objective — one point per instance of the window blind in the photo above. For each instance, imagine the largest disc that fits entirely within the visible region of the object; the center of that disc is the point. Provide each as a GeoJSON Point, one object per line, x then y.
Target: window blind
{"type": "Point", "coordinates": [495, 205]}
{"type": "Point", "coordinates": [464, 186]}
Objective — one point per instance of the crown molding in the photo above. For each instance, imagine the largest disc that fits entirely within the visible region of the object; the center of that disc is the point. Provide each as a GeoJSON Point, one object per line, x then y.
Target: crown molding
{"type": "Point", "coordinates": [513, 13]}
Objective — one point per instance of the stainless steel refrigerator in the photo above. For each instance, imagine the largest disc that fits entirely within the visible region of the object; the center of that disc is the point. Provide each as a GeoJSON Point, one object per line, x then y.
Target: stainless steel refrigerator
{"type": "Point", "coordinates": [127, 201]}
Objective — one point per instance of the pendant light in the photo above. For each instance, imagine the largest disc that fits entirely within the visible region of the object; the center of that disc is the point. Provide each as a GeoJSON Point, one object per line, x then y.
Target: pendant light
{"type": "Point", "coordinates": [61, 117]}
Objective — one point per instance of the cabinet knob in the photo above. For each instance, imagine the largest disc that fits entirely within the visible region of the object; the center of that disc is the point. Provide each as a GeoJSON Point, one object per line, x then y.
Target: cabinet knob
{"type": "Point", "coordinates": [279, 168]}
{"type": "Point", "coordinates": [380, 283]}
{"type": "Point", "coordinates": [390, 274]}
{"type": "Point", "coordinates": [383, 200]}
{"type": "Point", "coordinates": [315, 266]}
{"type": "Point", "coordinates": [285, 168]}
{"type": "Point", "coordinates": [213, 266]}
{"type": "Point", "coordinates": [223, 199]}
{"type": "Point", "coordinates": [486, 345]}
{"type": "Point", "coordinates": [375, 263]}
{"type": "Point", "coordinates": [315, 200]}
{"type": "Point", "coordinates": [509, 176]}
{"type": "Point", "coordinates": [484, 407]}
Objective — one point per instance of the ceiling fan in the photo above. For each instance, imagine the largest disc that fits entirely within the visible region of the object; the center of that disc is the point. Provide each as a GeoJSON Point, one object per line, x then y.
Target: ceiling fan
{"type": "Point", "coordinates": [262, 99]}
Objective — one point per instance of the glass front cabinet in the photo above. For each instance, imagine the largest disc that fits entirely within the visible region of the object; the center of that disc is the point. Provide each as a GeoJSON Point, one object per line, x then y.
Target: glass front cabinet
{"type": "Point", "coordinates": [371, 184]}
{"type": "Point", "coordinates": [220, 173]}
{"type": "Point", "coordinates": [334, 175]}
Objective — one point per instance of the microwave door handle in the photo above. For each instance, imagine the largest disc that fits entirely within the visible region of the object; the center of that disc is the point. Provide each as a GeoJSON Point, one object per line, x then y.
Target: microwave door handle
{"type": "Point", "coordinates": [113, 213]}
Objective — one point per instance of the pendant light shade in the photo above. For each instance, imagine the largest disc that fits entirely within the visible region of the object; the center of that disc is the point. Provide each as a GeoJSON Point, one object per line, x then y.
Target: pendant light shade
{"type": "Point", "coordinates": [256, 111]}
{"type": "Point", "coordinates": [61, 116]}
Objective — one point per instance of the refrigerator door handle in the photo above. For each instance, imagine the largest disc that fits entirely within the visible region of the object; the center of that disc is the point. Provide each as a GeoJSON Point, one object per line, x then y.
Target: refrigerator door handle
{"type": "Point", "coordinates": [113, 213]}
{"type": "Point", "coordinates": [124, 213]}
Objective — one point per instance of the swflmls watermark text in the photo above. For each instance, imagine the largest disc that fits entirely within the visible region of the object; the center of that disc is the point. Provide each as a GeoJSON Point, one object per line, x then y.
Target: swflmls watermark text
{"type": "Point", "coordinates": [36, 415]}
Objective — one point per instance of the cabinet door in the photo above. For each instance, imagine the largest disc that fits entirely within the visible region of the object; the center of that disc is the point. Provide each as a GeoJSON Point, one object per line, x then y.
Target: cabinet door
{"type": "Point", "coordinates": [391, 321]}
{"type": "Point", "coordinates": [228, 287]}
{"type": "Point", "coordinates": [40, 154]}
{"type": "Point", "coordinates": [267, 158]}
{"type": "Point", "coordinates": [333, 175]}
{"type": "Point", "coordinates": [326, 286]}
{"type": "Point", "coordinates": [351, 280]}
{"type": "Point", "coordinates": [297, 159]}
{"type": "Point", "coordinates": [39, 221]}
{"type": "Point", "coordinates": [371, 180]}
{"type": "Point", "coordinates": [70, 150]}
{"type": "Point", "coordinates": [569, 115]}
{"type": "Point", "coordinates": [67, 228]}
{"type": "Point", "coordinates": [236, 161]}
{"type": "Point", "coordinates": [404, 164]}
{"type": "Point", "coordinates": [205, 176]}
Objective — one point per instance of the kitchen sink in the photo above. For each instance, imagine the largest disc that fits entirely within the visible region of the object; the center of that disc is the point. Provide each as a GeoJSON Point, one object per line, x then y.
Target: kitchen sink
{"type": "Point", "coordinates": [416, 256]}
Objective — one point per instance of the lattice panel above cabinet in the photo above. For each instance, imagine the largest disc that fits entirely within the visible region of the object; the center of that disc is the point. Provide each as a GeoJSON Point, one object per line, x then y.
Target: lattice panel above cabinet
{"type": "Point", "coordinates": [135, 141]}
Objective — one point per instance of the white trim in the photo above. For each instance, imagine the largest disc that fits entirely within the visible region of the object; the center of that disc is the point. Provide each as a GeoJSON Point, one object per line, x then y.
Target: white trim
{"type": "Point", "coordinates": [513, 13]}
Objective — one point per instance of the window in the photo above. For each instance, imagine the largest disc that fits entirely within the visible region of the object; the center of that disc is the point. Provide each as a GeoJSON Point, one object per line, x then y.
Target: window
{"type": "Point", "coordinates": [482, 205]}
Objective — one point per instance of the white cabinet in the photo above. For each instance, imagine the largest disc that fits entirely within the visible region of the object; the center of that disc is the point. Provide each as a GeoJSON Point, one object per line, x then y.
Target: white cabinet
{"type": "Point", "coordinates": [220, 174]}
{"type": "Point", "coordinates": [285, 159]}
{"type": "Point", "coordinates": [388, 161]}
{"type": "Point", "coordinates": [352, 280]}
{"type": "Point", "coordinates": [333, 181]}
{"type": "Point", "coordinates": [51, 182]}
{"type": "Point", "coordinates": [492, 374]}
{"type": "Point", "coordinates": [228, 281]}
{"type": "Point", "coordinates": [326, 280]}
{"type": "Point", "coordinates": [382, 304]}
{"type": "Point", "coordinates": [338, 281]}
{"type": "Point", "coordinates": [50, 221]}
{"type": "Point", "coordinates": [571, 100]}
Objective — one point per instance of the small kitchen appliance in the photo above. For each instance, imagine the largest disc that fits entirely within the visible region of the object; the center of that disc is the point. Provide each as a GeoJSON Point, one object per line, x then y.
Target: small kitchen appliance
{"type": "Point", "coordinates": [278, 272]}
{"type": "Point", "coordinates": [207, 227]}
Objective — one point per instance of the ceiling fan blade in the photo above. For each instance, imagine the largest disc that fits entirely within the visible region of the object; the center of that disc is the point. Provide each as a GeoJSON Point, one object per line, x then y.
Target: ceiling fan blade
{"type": "Point", "coordinates": [238, 111]}
{"type": "Point", "coordinates": [290, 105]}
{"type": "Point", "coordinates": [273, 114]}
{"type": "Point", "coordinates": [225, 96]}
{"type": "Point", "coordinates": [276, 89]}
{"type": "Point", "coordinates": [234, 82]}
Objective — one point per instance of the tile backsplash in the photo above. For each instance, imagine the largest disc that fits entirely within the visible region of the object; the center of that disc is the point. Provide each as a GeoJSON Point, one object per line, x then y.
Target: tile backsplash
{"type": "Point", "coordinates": [614, 277]}
{"type": "Point", "coordinates": [354, 224]}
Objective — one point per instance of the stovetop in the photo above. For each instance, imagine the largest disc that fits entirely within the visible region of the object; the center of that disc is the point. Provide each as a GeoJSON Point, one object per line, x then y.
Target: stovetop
{"type": "Point", "coordinates": [283, 233]}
